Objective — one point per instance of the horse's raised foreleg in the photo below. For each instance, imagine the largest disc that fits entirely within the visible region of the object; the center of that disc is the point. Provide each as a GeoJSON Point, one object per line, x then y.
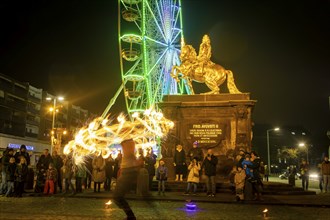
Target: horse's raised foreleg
{"type": "Point", "coordinates": [174, 73]}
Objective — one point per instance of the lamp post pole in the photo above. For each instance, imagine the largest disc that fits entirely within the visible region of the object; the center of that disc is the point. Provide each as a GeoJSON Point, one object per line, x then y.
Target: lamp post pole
{"type": "Point", "coordinates": [268, 151]}
{"type": "Point", "coordinates": [53, 127]}
{"type": "Point", "coordinates": [306, 146]}
{"type": "Point", "coordinates": [54, 99]}
{"type": "Point", "coordinates": [268, 147]}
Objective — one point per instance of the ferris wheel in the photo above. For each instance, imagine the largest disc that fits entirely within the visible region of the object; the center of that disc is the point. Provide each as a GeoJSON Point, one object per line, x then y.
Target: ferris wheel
{"type": "Point", "coordinates": [150, 33]}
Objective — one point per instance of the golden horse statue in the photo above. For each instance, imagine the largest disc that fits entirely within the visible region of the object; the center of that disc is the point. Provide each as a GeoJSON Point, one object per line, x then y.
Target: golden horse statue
{"type": "Point", "coordinates": [202, 70]}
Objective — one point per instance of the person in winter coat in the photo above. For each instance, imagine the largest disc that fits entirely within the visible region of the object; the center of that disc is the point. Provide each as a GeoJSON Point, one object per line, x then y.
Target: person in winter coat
{"type": "Point", "coordinates": [22, 153]}
{"type": "Point", "coordinates": [117, 165]}
{"type": "Point", "coordinates": [179, 163]}
{"type": "Point", "coordinates": [193, 176]}
{"type": "Point", "coordinates": [325, 171]}
{"type": "Point", "coordinates": [51, 178]}
{"type": "Point", "coordinates": [58, 163]}
{"type": "Point", "coordinates": [7, 154]}
{"type": "Point", "coordinates": [89, 170]}
{"type": "Point", "coordinates": [239, 183]}
{"type": "Point", "coordinates": [67, 174]}
{"type": "Point", "coordinates": [248, 171]}
{"type": "Point", "coordinates": [257, 181]}
{"type": "Point", "coordinates": [80, 174]}
{"type": "Point", "coordinates": [232, 179]}
{"type": "Point", "coordinates": [161, 176]}
{"type": "Point", "coordinates": [11, 168]}
{"type": "Point", "coordinates": [98, 174]}
{"type": "Point", "coordinates": [209, 167]}
{"type": "Point", "coordinates": [304, 171]}
{"type": "Point", "coordinates": [20, 175]}
{"type": "Point", "coordinates": [109, 164]}
{"type": "Point", "coordinates": [44, 161]}
{"type": "Point", "coordinates": [196, 152]}
{"type": "Point", "coordinates": [150, 161]}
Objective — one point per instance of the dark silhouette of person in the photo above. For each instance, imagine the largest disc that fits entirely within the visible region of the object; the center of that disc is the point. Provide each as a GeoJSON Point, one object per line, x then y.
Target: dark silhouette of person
{"type": "Point", "coordinates": [128, 177]}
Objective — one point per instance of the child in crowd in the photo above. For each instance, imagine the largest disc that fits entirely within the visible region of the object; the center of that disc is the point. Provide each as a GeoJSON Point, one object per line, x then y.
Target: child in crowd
{"type": "Point", "coordinates": [67, 174]}
{"type": "Point", "coordinates": [10, 172]}
{"type": "Point", "coordinates": [51, 178]}
{"type": "Point", "coordinates": [239, 183]}
{"type": "Point", "coordinates": [248, 171]}
{"type": "Point", "coordinates": [232, 179]}
{"type": "Point", "coordinates": [80, 176]}
{"type": "Point", "coordinates": [21, 172]}
{"type": "Point", "coordinates": [161, 176]}
{"type": "Point", "coordinates": [193, 176]}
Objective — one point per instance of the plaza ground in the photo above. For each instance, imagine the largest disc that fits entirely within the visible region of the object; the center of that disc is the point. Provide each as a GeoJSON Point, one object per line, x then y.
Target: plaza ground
{"type": "Point", "coordinates": [90, 205]}
{"type": "Point", "coordinates": [94, 208]}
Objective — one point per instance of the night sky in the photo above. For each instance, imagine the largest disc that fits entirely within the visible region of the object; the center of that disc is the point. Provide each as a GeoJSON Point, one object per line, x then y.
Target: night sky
{"type": "Point", "coordinates": [279, 52]}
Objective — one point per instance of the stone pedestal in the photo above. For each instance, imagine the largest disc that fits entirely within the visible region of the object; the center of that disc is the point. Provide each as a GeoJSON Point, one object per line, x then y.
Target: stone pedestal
{"type": "Point", "coordinates": [221, 122]}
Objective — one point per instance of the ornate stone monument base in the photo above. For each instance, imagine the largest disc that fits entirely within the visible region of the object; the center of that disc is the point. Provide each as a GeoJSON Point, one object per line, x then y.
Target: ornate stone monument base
{"type": "Point", "coordinates": [221, 122]}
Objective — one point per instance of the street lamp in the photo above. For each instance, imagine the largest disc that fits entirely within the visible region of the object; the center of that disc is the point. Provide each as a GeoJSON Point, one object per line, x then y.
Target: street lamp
{"type": "Point", "coordinates": [53, 110]}
{"type": "Point", "coordinates": [268, 151]}
{"type": "Point", "coordinates": [304, 145]}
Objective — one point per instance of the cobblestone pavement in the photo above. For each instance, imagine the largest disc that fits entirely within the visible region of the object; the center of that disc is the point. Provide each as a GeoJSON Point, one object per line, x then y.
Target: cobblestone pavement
{"type": "Point", "coordinates": [51, 208]}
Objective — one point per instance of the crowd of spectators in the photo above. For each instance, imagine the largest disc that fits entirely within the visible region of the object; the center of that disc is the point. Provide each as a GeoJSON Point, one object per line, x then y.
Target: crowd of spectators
{"type": "Point", "coordinates": [59, 174]}
{"type": "Point", "coordinates": [55, 173]}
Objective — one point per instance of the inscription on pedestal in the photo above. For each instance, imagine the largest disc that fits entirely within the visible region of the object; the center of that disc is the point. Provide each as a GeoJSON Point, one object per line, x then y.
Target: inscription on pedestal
{"type": "Point", "coordinates": [205, 133]}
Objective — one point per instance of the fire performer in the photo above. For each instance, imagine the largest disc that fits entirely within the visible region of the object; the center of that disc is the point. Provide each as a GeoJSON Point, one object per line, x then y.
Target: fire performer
{"type": "Point", "coordinates": [128, 176]}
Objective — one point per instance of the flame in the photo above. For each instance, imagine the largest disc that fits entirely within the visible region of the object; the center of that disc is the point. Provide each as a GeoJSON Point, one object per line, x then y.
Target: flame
{"type": "Point", "coordinates": [102, 133]}
{"type": "Point", "coordinates": [265, 211]}
{"type": "Point", "coordinates": [109, 202]}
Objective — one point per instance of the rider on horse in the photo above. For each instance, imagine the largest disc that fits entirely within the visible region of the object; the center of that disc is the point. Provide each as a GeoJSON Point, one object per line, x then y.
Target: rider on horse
{"type": "Point", "coordinates": [204, 55]}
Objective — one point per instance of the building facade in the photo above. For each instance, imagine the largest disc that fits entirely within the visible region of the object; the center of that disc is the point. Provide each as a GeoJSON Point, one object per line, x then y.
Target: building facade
{"type": "Point", "coordinates": [25, 118]}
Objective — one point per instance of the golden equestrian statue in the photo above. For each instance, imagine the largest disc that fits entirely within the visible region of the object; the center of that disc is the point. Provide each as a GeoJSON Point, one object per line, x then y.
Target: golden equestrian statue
{"type": "Point", "coordinates": [201, 69]}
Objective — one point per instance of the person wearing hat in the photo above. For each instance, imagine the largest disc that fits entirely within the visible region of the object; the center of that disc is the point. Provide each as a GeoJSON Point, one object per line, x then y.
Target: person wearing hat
{"type": "Point", "coordinates": [196, 152]}
{"type": "Point", "coordinates": [22, 153]}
